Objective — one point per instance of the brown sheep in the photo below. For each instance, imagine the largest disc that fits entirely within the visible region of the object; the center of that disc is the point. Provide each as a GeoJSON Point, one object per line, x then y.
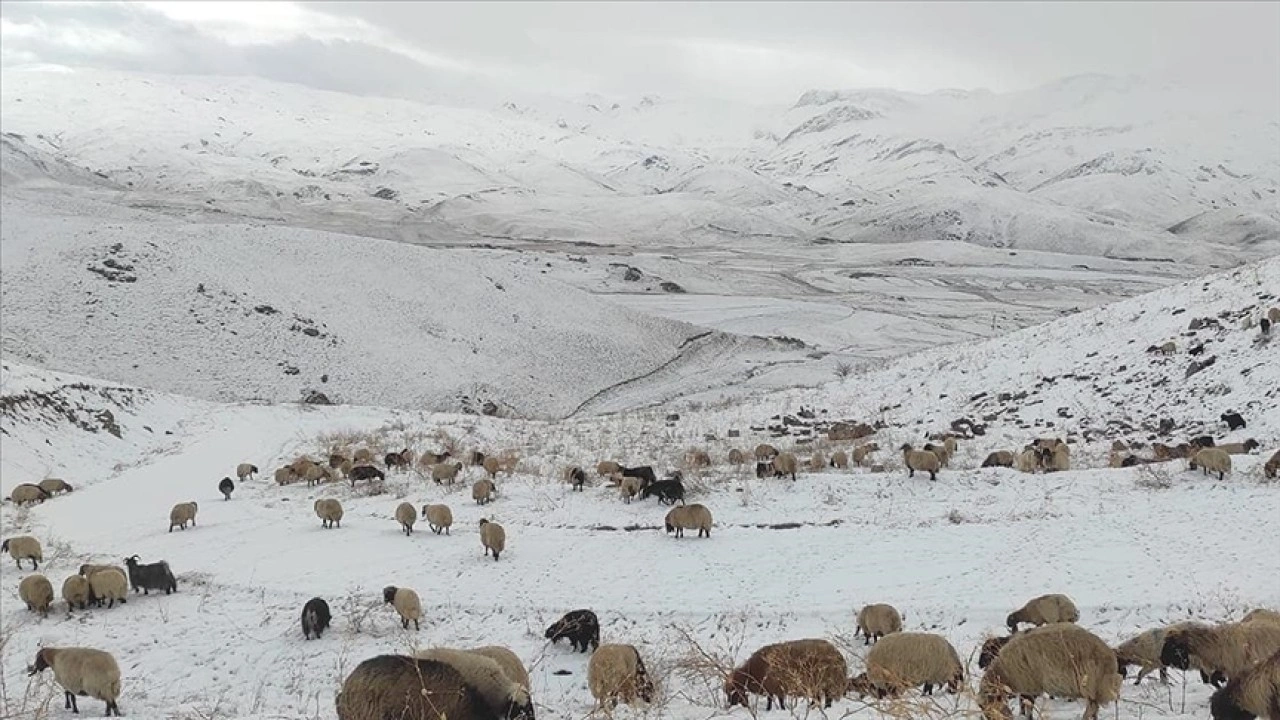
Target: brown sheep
{"type": "Point", "coordinates": [908, 660]}
{"type": "Point", "coordinates": [862, 452]}
{"type": "Point", "coordinates": [439, 518]}
{"type": "Point", "coordinates": [1211, 460]}
{"type": "Point", "coordinates": [406, 516]}
{"type": "Point", "coordinates": [53, 486]}
{"type": "Point", "coordinates": [765, 452]}
{"type": "Point", "coordinates": [784, 464]}
{"type": "Point", "coordinates": [329, 510]}
{"type": "Point", "coordinates": [737, 457]}
{"type": "Point", "coordinates": [840, 460]}
{"type": "Point", "coordinates": [999, 458]}
{"type": "Point", "coordinates": [28, 494]}
{"type": "Point", "coordinates": [1044, 610]}
{"type": "Point", "coordinates": [608, 469]}
{"type": "Point", "coordinates": [493, 537]}
{"type": "Point", "coordinates": [877, 620]}
{"type": "Point", "coordinates": [1062, 660]}
{"type": "Point", "coordinates": [406, 603]}
{"type": "Point", "coordinates": [616, 673]}
{"type": "Point", "coordinates": [697, 459]}
{"type": "Point", "coordinates": [810, 668]}
{"type": "Point", "coordinates": [445, 473]}
{"type": "Point", "coordinates": [1272, 468]}
{"type": "Point", "coordinates": [1243, 448]}
{"type": "Point", "coordinates": [406, 688]}
{"type": "Point", "coordinates": [483, 490]}
{"type": "Point", "coordinates": [1221, 650]}
{"type": "Point", "coordinates": [1255, 693]}
{"type": "Point", "coordinates": [689, 517]}
{"type": "Point", "coordinates": [920, 460]}
{"type": "Point", "coordinates": [24, 547]}
{"type": "Point", "coordinates": [37, 593]}
{"type": "Point", "coordinates": [181, 514]}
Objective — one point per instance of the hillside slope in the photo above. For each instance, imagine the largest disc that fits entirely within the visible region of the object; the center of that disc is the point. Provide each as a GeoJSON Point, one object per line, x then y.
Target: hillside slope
{"type": "Point", "coordinates": [236, 312]}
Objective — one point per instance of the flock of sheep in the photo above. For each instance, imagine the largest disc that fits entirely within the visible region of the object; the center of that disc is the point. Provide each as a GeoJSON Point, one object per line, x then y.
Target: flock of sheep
{"type": "Point", "coordinates": [1057, 657]}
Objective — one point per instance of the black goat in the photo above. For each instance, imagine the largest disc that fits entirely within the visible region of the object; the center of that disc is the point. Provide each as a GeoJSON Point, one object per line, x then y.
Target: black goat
{"type": "Point", "coordinates": [155, 576]}
{"type": "Point", "coordinates": [1233, 420]}
{"type": "Point", "coordinates": [365, 472]}
{"type": "Point", "coordinates": [1199, 443]}
{"type": "Point", "coordinates": [668, 491]}
{"type": "Point", "coordinates": [225, 487]}
{"type": "Point", "coordinates": [644, 472]}
{"type": "Point", "coordinates": [315, 617]}
{"type": "Point", "coordinates": [581, 627]}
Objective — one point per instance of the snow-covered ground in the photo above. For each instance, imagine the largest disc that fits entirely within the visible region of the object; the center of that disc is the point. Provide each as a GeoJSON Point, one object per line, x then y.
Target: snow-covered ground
{"type": "Point", "coordinates": [1135, 547]}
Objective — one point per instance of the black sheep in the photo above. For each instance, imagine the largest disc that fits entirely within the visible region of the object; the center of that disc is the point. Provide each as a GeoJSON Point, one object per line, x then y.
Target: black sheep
{"type": "Point", "coordinates": [764, 470]}
{"type": "Point", "coordinates": [365, 472]}
{"type": "Point", "coordinates": [581, 627]}
{"type": "Point", "coordinates": [315, 617]}
{"type": "Point", "coordinates": [1233, 420]}
{"type": "Point", "coordinates": [225, 487]}
{"type": "Point", "coordinates": [668, 492]}
{"type": "Point", "coordinates": [1204, 441]}
{"type": "Point", "coordinates": [644, 473]}
{"type": "Point", "coordinates": [153, 576]}
{"type": "Point", "coordinates": [578, 478]}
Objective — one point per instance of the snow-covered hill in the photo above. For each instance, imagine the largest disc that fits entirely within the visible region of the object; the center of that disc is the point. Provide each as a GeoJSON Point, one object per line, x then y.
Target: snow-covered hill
{"type": "Point", "coordinates": [1128, 544]}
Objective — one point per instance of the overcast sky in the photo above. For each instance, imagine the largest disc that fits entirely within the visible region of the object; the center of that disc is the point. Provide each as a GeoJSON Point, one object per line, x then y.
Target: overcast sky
{"type": "Point", "coordinates": [742, 51]}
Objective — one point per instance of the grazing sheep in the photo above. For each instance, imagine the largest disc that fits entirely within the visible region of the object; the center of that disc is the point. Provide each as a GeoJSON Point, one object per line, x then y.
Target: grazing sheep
{"type": "Point", "coordinates": [908, 660]}
{"type": "Point", "coordinates": [492, 466]}
{"type": "Point", "coordinates": [315, 618]}
{"type": "Point", "coordinates": [817, 462]}
{"type": "Point", "coordinates": [1143, 650]}
{"type": "Point", "coordinates": [1043, 610]}
{"type": "Point", "coordinates": [37, 592]}
{"type": "Point", "coordinates": [940, 451]}
{"type": "Point", "coordinates": [445, 473]}
{"type": "Point", "coordinates": [608, 468]}
{"type": "Point", "coordinates": [314, 474]}
{"type": "Point", "coordinates": [110, 585]}
{"type": "Point", "coordinates": [28, 494]}
{"type": "Point", "coordinates": [75, 591]}
{"type": "Point", "coordinates": [406, 516]}
{"type": "Point", "coordinates": [246, 470]}
{"type": "Point", "coordinates": [365, 472]}
{"type": "Point", "coordinates": [999, 458]}
{"type": "Point", "coordinates": [1220, 651]}
{"type": "Point", "coordinates": [488, 677]}
{"type": "Point", "coordinates": [493, 537]}
{"type": "Point", "coordinates": [406, 688]}
{"type": "Point", "coordinates": [840, 460]}
{"type": "Point", "coordinates": [920, 460]}
{"type": "Point", "coordinates": [697, 459]}
{"type": "Point", "coordinates": [1272, 468]}
{"type": "Point", "coordinates": [689, 517]}
{"type": "Point", "coordinates": [225, 486]}
{"type": "Point", "coordinates": [363, 455]}
{"type": "Point", "coordinates": [329, 511]}
{"type": "Point", "coordinates": [24, 547]}
{"type": "Point", "coordinates": [1255, 693]}
{"type": "Point", "coordinates": [1243, 448]}
{"type": "Point", "coordinates": [82, 672]}
{"type": "Point", "coordinates": [1261, 615]}
{"type": "Point", "coordinates": [643, 472]}
{"type": "Point", "coordinates": [483, 491]}
{"type": "Point", "coordinates": [181, 514]}
{"type": "Point", "coordinates": [576, 477]}
{"type": "Point", "coordinates": [439, 518]}
{"type": "Point", "coordinates": [406, 603]}
{"type": "Point", "coordinates": [862, 452]}
{"type": "Point", "coordinates": [616, 673]}
{"type": "Point", "coordinates": [53, 486]}
{"type": "Point", "coordinates": [1233, 420]}
{"type": "Point", "coordinates": [629, 487]}
{"type": "Point", "coordinates": [285, 475]}
{"type": "Point", "coordinates": [510, 663]}
{"type": "Point", "coordinates": [765, 453]}
{"type": "Point", "coordinates": [1061, 660]}
{"type": "Point", "coordinates": [667, 492]}
{"type": "Point", "coordinates": [810, 668]}
{"type": "Point", "coordinates": [737, 458]}
{"type": "Point", "coordinates": [402, 459]}
{"type": "Point", "coordinates": [784, 464]}
{"type": "Point", "coordinates": [1168, 348]}
{"type": "Point", "coordinates": [1211, 460]}
{"type": "Point", "coordinates": [1028, 460]}
{"type": "Point", "coordinates": [1058, 459]}
{"type": "Point", "coordinates": [877, 620]}
{"type": "Point", "coordinates": [153, 576]}
{"type": "Point", "coordinates": [580, 627]}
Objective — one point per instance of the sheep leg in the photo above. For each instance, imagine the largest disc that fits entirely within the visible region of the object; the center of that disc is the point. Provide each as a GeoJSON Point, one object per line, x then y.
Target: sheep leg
{"type": "Point", "coordinates": [1028, 703]}
{"type": "Point", "coordinates": [933, 476]}
{"type": "Point", "coordinates": [911, 472]}
{"type": "Point", "coordinates": [112, 707]}
{"type": "Point", "coordinates": [1164, 676]}
{"type": "Point", "coordinates": [1091, 711]}
{"type": "Point", "coordinates": [928, 688]}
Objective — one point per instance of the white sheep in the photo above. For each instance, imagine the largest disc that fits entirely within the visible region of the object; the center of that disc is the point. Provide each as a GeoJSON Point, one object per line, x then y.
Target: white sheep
{"type": "Point", "coordinates": [493, 537]}
{"type": "Point", "coordinates": [439, 518]}
{"type": "Point", "coordinates": [406, 603]}
{"type": "Point", "coordinates": [181, 514]}
{"type": "Point", "coordinates": [406, 516]}
{"type": "Point", "coordinates": [329, 511]}
{"type": "Point", "coordinates": [24, 547]}
{"type": "Point", "coordinates": [37, 592]}
{"type": "Point", "coordinates": [920, 460]}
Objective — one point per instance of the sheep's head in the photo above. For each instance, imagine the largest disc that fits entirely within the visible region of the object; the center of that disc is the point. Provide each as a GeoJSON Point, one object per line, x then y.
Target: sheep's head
{"type": "Point", "coordinates": [1176, 653]}
{"type": "Point", "coordinates": [1250, 445]}
{"type": "Point", "coordinates": [389, 593]}
{"type": "Point", "coordinates": [990, 649]}
{"type": "Point", "coordinates": [735, 688]}
{"type": "Point", "coordinates": [4, 547]}
{"type": "Point", "coordinates": [519, 707]}
{"type": "Point", "coordinates": [556, 630]}
{"type": "Point", "coordinates": [859, 684]}
{"type": "Point", "coordinates": [1222, 706]}
{"type": "Point", "coordinates": [44, 656]}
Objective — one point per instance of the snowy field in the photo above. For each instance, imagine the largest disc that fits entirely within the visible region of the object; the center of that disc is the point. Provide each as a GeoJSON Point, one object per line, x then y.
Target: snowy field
{"type": "Point", "coordinates": [1134, 547]}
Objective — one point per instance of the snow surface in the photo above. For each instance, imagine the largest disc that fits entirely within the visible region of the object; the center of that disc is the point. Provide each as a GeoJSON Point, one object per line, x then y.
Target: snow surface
{"type": "Point", "coordinates": [1134, 547]}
